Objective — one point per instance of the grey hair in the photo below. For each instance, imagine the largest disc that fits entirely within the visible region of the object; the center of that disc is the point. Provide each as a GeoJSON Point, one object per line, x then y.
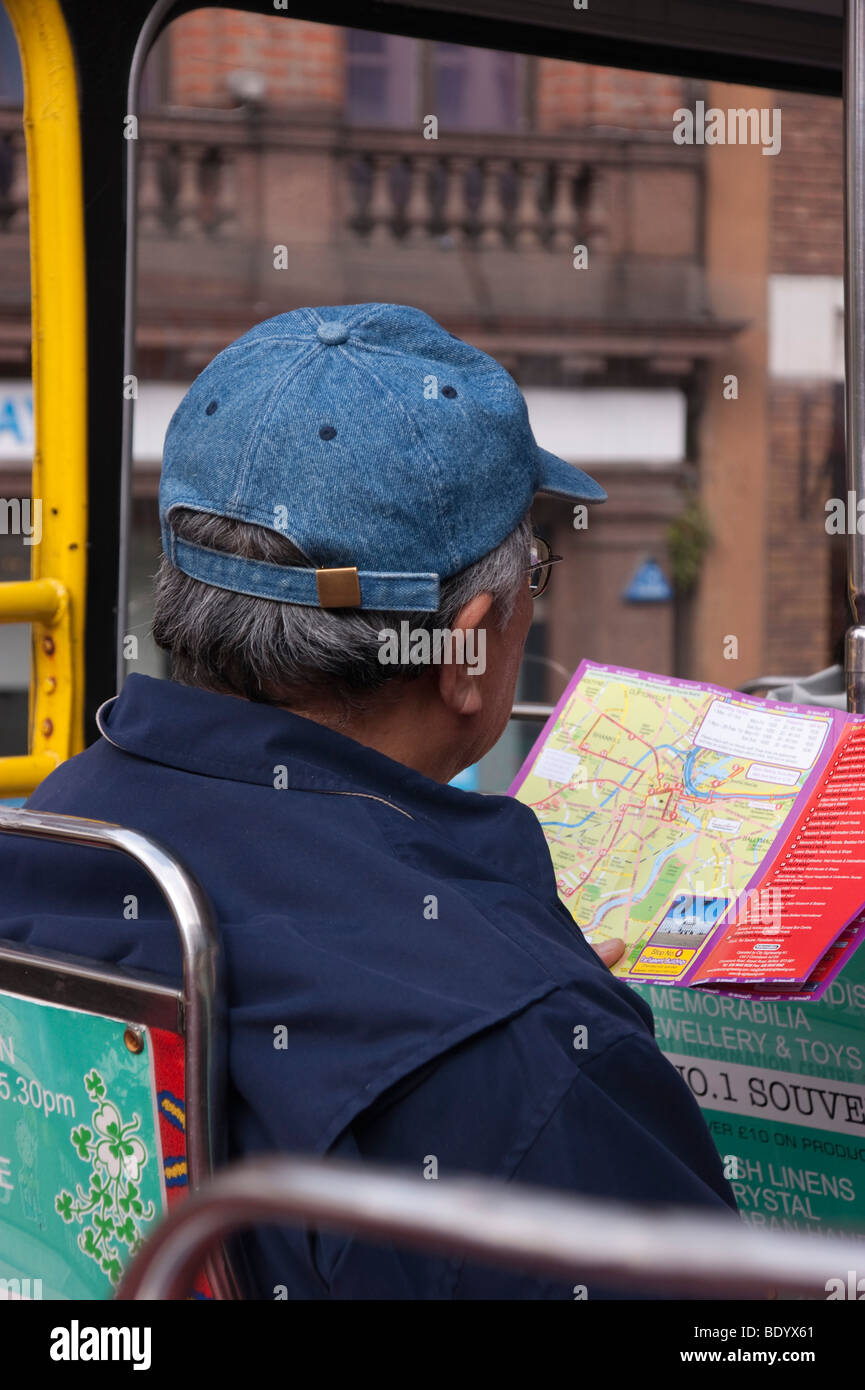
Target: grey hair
{"type": "Point", "coordinates": [289, 654]}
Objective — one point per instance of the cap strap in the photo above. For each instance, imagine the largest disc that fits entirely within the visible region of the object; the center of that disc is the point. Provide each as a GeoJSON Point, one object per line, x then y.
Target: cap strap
{"type": "Point", "coordinates": [321, 588]}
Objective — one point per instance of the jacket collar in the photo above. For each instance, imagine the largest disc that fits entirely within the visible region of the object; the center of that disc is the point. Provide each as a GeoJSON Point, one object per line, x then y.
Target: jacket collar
{"type": "Point", "coordinates": [222, 736]}
{"type": "Point", "coordinates": [237, 740]}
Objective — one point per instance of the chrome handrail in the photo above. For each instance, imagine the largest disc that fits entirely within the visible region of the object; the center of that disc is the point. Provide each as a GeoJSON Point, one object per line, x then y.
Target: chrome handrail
{"type": "Point", "coordinates": [768, 683]}
{"type": "Point", "coordinates": [577, 1238]}
{"type": "Point", "coordinates": [203, 985]}
{"type": "Point", "coordinates": [531, 711]}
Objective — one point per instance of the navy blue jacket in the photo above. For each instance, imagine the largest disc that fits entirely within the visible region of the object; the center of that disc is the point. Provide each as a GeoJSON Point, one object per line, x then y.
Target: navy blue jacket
{"type": "Point", "coordinates": [409, 937]}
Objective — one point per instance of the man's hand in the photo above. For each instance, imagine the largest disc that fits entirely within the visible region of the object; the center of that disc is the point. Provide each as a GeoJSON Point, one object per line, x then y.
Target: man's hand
{"type": "Point", "coordinates": [610, 951]}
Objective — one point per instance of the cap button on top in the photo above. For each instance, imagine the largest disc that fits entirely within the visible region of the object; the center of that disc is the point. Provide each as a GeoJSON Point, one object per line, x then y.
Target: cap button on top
{"type": "Point", "coordinates": [332, 333]}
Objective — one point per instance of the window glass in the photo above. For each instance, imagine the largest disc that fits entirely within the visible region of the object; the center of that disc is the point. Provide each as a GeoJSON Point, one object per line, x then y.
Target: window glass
{"type": "Point", "coordinates": [381, 78]}
{"type": "Point", "coordinates": [11, 79]}
{"type": "Point", "coordinates": [475, 88]}
{"type": "Point", "coordinates": [669, 303]}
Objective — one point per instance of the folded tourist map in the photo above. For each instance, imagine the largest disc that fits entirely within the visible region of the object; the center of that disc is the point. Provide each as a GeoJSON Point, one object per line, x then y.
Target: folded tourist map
{"type": "Point", "coordinates": [720, 835]}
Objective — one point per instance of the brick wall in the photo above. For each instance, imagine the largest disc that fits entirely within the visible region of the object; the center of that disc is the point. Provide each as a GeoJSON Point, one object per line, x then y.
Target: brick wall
{"type": "Point", "coordinates": [571, 95]}
{"type": "Point", "coordinates": [807, 183]}
{"type": "Point", "coordinates": [302, 63]}
{"type": "Point", "coordinates": [805, 600]}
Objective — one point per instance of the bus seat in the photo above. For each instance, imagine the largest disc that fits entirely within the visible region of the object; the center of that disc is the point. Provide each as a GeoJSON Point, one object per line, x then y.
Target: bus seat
{"type": "Point", "coordinates": [111, 1090]}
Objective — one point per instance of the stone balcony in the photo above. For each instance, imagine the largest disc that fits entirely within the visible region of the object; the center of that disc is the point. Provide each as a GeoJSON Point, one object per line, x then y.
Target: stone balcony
{"type": "Point", "coordinates": [243, 214]}
{"type": "Point", "coordinates": [477, 229]}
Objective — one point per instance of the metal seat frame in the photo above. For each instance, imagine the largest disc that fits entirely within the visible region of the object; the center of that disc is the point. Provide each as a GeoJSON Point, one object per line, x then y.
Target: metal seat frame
{"type": "Point", "coordinates": [669, 1249]}
{"type": "Point", "coordinates": [196, 1010]}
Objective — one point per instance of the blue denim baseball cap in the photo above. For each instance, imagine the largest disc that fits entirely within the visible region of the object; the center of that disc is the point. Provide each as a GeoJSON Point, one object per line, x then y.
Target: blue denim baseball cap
{"type": "Point", "coordinates": [391, 453]}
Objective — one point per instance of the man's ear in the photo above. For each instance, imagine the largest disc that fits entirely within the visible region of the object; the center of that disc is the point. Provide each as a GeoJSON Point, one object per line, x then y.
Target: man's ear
{"type": "Point", "coordinates": [460, 684]}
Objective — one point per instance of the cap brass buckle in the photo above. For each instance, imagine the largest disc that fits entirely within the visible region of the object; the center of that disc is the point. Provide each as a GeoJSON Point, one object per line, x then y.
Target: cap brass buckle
{"type": "Point", "coordinates": [338, 588]}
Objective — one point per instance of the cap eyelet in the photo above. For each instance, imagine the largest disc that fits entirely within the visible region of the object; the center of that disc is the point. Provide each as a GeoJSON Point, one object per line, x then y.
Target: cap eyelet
{"type": "Point", "coordinates": [449, 391]}
{"type": "Point", "coordinates": [327, 432]}
{"type": "Point", "coordinates": [209, 410]}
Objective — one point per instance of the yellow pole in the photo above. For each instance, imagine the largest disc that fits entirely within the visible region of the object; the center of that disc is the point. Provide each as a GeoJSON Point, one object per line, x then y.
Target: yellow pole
{"type": "Point", "coordinates": [54, 600]}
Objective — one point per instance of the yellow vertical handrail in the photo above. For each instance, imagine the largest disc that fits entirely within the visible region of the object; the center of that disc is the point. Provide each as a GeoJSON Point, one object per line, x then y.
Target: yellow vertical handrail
{"type": "Point", "coordinates": [54, 598]}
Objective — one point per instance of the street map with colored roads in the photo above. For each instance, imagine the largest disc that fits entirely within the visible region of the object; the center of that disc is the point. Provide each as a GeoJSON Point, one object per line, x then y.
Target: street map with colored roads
{"type": "Point", "coordinates": [660, 799]}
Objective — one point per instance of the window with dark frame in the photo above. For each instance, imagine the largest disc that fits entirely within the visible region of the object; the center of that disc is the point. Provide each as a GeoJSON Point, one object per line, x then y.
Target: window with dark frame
{"type": "Point", "coordinates": [475, 88]}
{"type": "Point", "coordinates": [382, 79]}
{"type": "Point", "coordinates": [395, 81]}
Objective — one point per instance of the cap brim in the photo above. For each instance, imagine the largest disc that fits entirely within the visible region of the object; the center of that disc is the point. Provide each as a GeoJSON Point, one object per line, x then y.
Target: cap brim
{"type": "Point", "coordinates": [557, 478]}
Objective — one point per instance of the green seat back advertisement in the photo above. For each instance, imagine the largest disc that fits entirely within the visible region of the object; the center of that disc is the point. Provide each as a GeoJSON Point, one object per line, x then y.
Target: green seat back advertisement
{"type": "Point", "coordinates": [79, 1154]}
{"type": "Point", "coordinates": [782, 1088]}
